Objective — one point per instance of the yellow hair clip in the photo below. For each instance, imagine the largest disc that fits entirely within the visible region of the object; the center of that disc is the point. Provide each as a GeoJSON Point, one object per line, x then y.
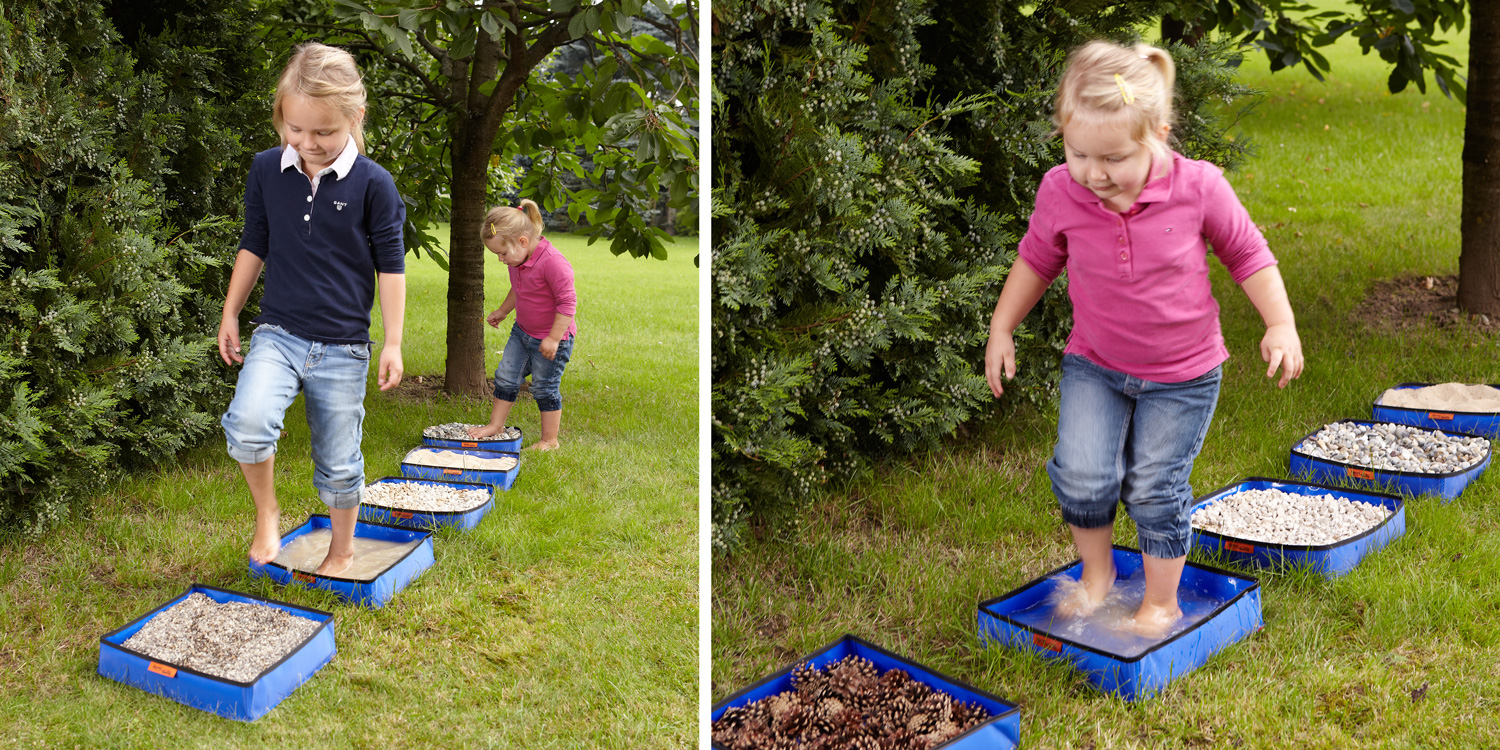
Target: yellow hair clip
{"type": "Point", "coordinates": [1124, 92]}
{"type": "Point", "coordinates": [492, 229]}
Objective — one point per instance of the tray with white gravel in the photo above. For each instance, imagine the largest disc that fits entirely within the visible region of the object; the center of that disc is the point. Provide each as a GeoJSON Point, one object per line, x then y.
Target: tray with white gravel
{"type": "Point", "coordinates": [1385, 455]}
{"type": "Point", "coordinates": [426, 503]}
{"type": "Point", "coordinates": [1270, 523]}
{"type": "Point", "coordinates": [1461, 407]}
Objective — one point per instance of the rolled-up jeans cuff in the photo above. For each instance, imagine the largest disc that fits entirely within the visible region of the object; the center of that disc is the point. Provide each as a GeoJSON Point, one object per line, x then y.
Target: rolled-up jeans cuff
{"type": "Point", "coordinates": [257, 456]}
{"type": "Point", "coordinates": [1090, 519]}
{"type": "Point", "coordinates": [340, 500]}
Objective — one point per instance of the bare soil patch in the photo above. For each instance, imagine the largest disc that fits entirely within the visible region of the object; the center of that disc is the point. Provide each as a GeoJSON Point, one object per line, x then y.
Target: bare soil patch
{"type": "Point", "coordinates": [429, 388]}
{"type": "Point", "coordinates": [1409, 302]}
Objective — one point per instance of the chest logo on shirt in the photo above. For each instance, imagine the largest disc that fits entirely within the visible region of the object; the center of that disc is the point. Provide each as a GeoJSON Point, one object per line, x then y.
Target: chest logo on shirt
{"type": "Point", "coordinates": [339, 205]}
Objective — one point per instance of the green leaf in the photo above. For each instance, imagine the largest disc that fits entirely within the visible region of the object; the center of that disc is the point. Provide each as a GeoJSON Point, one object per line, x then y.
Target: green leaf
{"type": "Point", "coordinates": [591, 17]}
{"type": "Point", "coordinates": [490, 26]}
{"type": "Point", "coordinates": [409, 19]}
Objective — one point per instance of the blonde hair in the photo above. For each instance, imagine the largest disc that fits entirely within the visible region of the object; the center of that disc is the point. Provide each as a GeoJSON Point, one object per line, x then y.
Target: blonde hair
{"type": "Point", "coordinates": [1132, 85]}
{"type": "Point", "coordinates": [326, 73]}
{"type": "Point", "coordinates": [509, 222]}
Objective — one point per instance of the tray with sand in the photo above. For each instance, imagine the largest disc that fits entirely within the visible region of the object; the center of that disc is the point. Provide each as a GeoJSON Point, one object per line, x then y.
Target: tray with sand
{"type": "Point", "coordinates": [498, 468]}
{"type": "Point", "coordinates": [1474, 409]}
{"type": "Point", "coordinates": [456, 435]}
{"type": "Point", "coordinates": [220, 651]}
{"type": "Point", "coordinates": [1219, 608]}
{"type": "Point", "coordinates": [426, 503]}
{"type": "Point", "coordinates": [386, 559]}
{"type": "Point", "coordinates": [1271, 523]}
{"type": "Point", "coordinates": [852, 685]}
{"type": "Point", "coordinates": [1384, 455]}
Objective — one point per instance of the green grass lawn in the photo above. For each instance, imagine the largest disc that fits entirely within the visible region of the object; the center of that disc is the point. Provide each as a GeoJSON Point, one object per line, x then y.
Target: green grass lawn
{"type": "Point", "coordinates": [1402, 652]}
{"type": "Point", "coordinates": [567, 619]}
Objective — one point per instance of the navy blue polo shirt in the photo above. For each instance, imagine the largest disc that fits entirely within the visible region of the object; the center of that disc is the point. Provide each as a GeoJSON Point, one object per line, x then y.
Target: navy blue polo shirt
{"type": "Point", "coordinates": [322, 251]}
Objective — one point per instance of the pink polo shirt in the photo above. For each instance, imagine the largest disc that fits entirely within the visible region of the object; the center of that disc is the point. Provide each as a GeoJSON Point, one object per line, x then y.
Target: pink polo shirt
{"type": "Point", "coordinates": [544, 288]}
{"type": "Point", "coordinates": [1142, 304]}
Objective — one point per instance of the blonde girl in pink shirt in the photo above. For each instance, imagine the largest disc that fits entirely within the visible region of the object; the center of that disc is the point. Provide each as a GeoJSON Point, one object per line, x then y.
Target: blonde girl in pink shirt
{"type": "Point", "coordinates": [1128, 218]}
{"type": "Point", "coordinates": [542, 296]}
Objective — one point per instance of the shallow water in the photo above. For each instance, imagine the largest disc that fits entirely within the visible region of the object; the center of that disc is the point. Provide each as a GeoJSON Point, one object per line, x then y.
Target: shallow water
{"type": "Point", "coordinates": [371, 556]}
{"type": "Point", "coordinates": [1103, 628]}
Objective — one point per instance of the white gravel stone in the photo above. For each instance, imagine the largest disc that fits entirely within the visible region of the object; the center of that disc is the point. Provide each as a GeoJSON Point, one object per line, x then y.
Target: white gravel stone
{"type": "Point", "coordinates": [460, 431]}
{"type": "Point", "coordinates": [233, 640]}
{"type": "Point", "coordinates": [1394, 447]}
{"type": "Point", "coordinates": [455, 460]}
{"type": "Point", "coordinates": [1277, 517]}
{"type": "Point", "coordinates": [424, 497]}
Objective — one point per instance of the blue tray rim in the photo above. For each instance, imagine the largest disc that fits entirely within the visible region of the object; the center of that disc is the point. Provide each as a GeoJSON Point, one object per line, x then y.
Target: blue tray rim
{"type": "Point", "coordinates": [323, 623]}
{"type": "Point", "coordinates": [1015, 709]}
{"type": "Point", "coordinates": [1489, 452]}
{"type": "Point", "coordinates": [1377, 405]}
{"type": "Point", "coordinates": [515, 468]}
{"type": "Point", "coordinates": [1400, 505]}
{"type": "Point", "coordinates": [426, 537]}
{"type": "Point", "coordinates": [984, 607]}
{"type": "Point", "coordinates": [435, 513]}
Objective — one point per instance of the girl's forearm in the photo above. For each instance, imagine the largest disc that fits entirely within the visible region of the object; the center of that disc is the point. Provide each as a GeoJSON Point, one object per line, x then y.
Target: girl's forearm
{"type": "Point", "coordinates": [560, 326]}
{"type": "Point", "coordinates": [392, 306]}
{"type": "Point", "coordinates": [1023, 287]}
{"type": "Point", "coordinates": [247, 266]}
{"type": "Point", "coordinates": [1267, 292]}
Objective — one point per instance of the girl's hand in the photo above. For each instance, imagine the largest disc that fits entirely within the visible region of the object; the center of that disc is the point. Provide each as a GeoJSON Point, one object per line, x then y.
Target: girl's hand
{"type": "Point", "coordinates": [999, 359]}
{"type": "Point", "coordinates": [495, 318]}
{"type": "Point", "coordinates": [1282, 348]}
{"type": "Point", "coordinates": [229, 341]}
{"type": "Point", "coordinates": [390, 366]}
{"type": "Point", "coordinates": [549, 348]}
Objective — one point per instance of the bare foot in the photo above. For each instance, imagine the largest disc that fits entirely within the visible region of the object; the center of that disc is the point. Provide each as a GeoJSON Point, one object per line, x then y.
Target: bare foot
{"type": "Point", "coordinates": [1081, 597]}
{"type": "Point", "coordinates": [266, 544]}
{"type": "Point", "coordinates": [1151, 621]}
{"type": "Point", "coordinates": [543, 445]}
{"type": "Point", "coordinates": [333, 566]}
{"type": "Point", "coordinates": [485, 431]}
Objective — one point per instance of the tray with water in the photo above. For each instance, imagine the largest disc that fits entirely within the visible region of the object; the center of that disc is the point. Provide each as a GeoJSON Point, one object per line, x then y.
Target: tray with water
{"type": "Point", "coordinates": [386, 560]}
{"type": "Point", "coordinates": [243, 697]}
{"type": "Point", "coordinates": [1219, 608]}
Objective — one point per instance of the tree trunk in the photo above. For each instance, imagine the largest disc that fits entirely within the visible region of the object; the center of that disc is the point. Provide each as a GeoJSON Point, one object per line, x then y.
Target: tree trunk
{"type": "Point", "coordinates": [465, 373]}
{"type": "Point", "coordinates": [1479, 260]}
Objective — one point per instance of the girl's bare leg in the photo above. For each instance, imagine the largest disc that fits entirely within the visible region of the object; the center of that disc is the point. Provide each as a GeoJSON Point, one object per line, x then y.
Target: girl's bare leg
{"type": "Point", "coordinates": [551, 426]}
{"type": "Point", "coordinates": [261, 478]}
{"type": "Point", "coordinates": [1159, 610]}
{"type": "Point", "coordinates": [341, 546]}
{"type": "Point", "coordinates": [498, 414]}
{"type": "Point", "coordinates": [1098, 571]}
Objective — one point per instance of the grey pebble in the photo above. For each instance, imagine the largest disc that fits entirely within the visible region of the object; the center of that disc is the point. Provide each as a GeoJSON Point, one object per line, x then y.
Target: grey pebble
{"type": "Point", "coordinates": [1276, 517]}
{"type": "Point", "coordinates": [1393, 447]}
{"type": "Point", "coordinates": [416, 496]}
{"type": "Point", "coordinates": [460, 431]}
{"type": "Point", "coordinates": [233, 640]}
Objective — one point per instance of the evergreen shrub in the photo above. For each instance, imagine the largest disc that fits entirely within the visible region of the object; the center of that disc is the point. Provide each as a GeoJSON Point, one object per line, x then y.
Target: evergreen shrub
{"type": "Point", "coordinates": [875, 163]}
{"type": "Point", "coordinates": [122, 166]}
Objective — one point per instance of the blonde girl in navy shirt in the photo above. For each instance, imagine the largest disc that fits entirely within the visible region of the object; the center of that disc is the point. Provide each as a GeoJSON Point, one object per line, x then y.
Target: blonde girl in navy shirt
{"type": "Point", "coordinates": [324, 221]}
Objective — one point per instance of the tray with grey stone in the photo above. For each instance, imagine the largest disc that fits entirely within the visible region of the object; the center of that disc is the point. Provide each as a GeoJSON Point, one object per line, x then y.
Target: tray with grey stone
{"type": "Point", "coordinates": [231, 654]}
{"type": "Point", "coordinates": [1274, 523]}
{"type": "Point", "coordinates": [456, 435]}
{"type": "Point", "coordinates": [426, 503]}
{"type": "Point", "coordinates": [1386, 455]}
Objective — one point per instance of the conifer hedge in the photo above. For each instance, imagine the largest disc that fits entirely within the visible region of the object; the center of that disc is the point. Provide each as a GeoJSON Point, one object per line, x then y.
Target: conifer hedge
{"type": "Point", "coordinates": [875, 162]}
{"type": "Point", "coordinates": [125, 132]}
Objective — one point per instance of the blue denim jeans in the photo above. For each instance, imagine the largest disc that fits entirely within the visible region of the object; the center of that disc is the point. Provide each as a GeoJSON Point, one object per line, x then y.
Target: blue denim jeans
{"type": "Point", "coordinates": [1123, 439]}
{"type": "Point", "coordinates": [332, 377]}
{"type": "Point", "coordinates": [522, 357]}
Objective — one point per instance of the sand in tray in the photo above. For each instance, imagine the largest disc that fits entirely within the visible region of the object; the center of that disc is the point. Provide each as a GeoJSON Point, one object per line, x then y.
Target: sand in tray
{"type": "Point", "coordinates": [1445, 396]}
{"type": "Point", "coordinates": [371, 556]}
{"type": "Point", "coordinates": [455, 460]}
{"type": "Point", "coordinates": [1104, 628]}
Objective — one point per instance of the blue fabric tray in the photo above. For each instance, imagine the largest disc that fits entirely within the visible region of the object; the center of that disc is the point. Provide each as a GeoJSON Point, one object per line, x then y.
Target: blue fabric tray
{"type": "Point", "coordinates": [488, 444]}
{"type": "Point", "coordinates": [372, 592]}
{"type": "Point", "coordinates": [1000, 732]}
{"type": "Point", "coordinates": [243, 701]}
{"type": "Point", "coordinates": [1237, 614]}
{"type": "Point", "coordinates": [1332, 560]}
{"type": "Point", "coordinates": [1326, 471]}
{"type": "Point", "coordinates": [1469, 422]}
{"type": "Point", "coordinates": [427, 519]}
{"type": "Point", "coordinates": [501, 479]}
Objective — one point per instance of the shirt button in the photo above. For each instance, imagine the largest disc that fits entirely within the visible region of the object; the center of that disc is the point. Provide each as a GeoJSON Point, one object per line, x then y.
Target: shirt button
{"type": "Point", "coordinates": [1124, 256]}
{"type": "Point", "coordinates": [309, 199]}
{"type": "Point", "coordinates": [306, 217]}
{"type": "Point", "coordinates": [1122, 240]}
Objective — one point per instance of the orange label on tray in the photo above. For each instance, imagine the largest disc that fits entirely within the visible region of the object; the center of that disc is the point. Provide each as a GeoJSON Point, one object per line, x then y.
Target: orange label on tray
{"type": "Point", "coordinates": [1238, 546]}
{"type": "Point", "coordinates": [1360, 473]}
{"type": "Point", "coordinates": [303, 577]}
{"type": "Point", "coordinates": [400, 514]}
{"type": "Point", "coordinates": [162, 669]}
{"type": "Point", "coordinates": [453, 471]}
{"type": "Point", "coordinates": [1438, 416]}
{"type": "Point", "coordinates": [470, 445]}
{"type": "Point", "coordinates": [1042, 641]}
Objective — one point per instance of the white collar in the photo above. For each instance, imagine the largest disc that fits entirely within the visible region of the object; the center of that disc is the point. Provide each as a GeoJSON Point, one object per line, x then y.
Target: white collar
{"type": "Point", "coordinates": [341, 165]}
